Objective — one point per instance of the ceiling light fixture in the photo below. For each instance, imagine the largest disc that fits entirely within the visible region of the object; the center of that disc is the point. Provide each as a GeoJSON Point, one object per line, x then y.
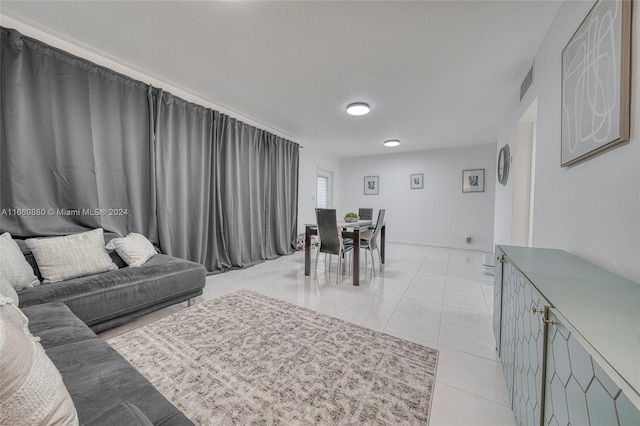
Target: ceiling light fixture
{"type": "Point", "coordinates": [392, 142]}
{"type": "Point", "coordinates": [358, 108]}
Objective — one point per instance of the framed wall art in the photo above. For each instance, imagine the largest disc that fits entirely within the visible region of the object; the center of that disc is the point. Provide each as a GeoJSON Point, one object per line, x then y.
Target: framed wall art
{"type": "Point", "coordinates": [371, 185]}
{"type": "Point", "coordinates": [596, 82]}
{"type": "Point", "coordinates": [417, 181]}
{"type": "Point", "coordinates": [473, 180]}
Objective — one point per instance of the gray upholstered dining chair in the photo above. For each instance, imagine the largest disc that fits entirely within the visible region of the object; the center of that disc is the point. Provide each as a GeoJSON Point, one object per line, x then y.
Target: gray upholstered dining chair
{"type": "Point", "coordinates": [365, 214]}
{"type": "Point", "coordinates": [329, 239]}
{"type": "Point", "coordinates": [369, 242]}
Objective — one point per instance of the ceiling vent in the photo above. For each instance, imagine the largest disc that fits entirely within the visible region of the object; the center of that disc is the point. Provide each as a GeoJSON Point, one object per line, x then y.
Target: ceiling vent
{"type": "Point", "coordinates": [526, 83]}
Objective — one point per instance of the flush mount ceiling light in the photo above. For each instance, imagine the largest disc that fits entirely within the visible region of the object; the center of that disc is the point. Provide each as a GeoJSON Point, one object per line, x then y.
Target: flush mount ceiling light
{"type": "Point", "coordinates": [392, 142]}
{"type": "Point", "coordinates": [358, 108]}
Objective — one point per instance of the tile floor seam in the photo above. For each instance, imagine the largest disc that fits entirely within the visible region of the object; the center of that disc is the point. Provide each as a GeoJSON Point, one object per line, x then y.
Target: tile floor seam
{"type": "Point", "coordinates": [405, 292]}
{"type": "Point", "coordinates": [471, 393]}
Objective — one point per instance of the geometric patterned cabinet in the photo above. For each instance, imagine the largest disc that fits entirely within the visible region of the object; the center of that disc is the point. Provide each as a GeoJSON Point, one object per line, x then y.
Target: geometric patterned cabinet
{"type": "Point", "coordinates": [579, 392]}
{"type": "Point", "coordinates": [521, 340]}
{"type": "Point", "coordinates": [551, 376]}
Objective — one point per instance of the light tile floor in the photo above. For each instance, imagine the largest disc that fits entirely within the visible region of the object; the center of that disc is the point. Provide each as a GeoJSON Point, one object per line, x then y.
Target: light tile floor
{"type": "Point", "coordinates": [434, 296]}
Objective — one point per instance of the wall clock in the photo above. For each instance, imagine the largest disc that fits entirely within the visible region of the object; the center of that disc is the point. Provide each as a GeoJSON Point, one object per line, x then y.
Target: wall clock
{"type": "Point", "coordinates": [504, 158]}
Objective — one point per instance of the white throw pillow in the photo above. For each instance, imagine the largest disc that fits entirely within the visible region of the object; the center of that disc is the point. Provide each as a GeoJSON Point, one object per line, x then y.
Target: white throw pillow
{"type": "Point", "coordinates": [14, 267]}
{"type": "Point", "coordinates": [76, 255]}
{"type": "Point", "coordinates": [134, 249]}
{"type": "Point", "coordinates": [6, 290]}
{"type": "Point", "coordinates": [32, 391]}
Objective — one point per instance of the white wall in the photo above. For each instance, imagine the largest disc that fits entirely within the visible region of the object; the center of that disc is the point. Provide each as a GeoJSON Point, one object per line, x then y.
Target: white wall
{"type": "Point", "coordinates": [440, 214]}
{"type": "Point", "coordinates": [593, 208]}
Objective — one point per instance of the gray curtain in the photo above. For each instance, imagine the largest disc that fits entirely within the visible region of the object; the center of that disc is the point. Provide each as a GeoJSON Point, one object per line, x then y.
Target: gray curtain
{"type": "Point", "coordinates": [75, 139]}
{"type": "Point", "coordinates": [84, 147]}
{"type": "Point", "coordinates": [226, 191]}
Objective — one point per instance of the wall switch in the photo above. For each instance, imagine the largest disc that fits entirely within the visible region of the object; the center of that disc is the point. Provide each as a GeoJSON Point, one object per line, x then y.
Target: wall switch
{"type": "Point", "coordinates": [468, 239]}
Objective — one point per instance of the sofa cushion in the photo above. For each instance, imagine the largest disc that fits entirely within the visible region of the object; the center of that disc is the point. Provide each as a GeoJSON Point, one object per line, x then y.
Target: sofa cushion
{"type": "Point", "coordinates": [99, 298]}
{"type": "Point", "coordinates": [99, 378]}
{"type": "Point", "coordinates": [32, 391]}
{"type": "Point", "coordinates": [14, 267]}
{"type": "Point", "coordinates": [6, 290]}
{"type": "Point", "coordinates": [56, 325]}
{"type": "Point", "coordinates": [72, 256]}
{"type": "Point", "coordinates": [121, 414]}
{"type": "Point", "coordinates": [134, 249]}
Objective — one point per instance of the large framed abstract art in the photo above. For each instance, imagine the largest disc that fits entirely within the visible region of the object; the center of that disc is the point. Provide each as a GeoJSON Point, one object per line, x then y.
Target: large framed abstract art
{"type": "Point", "coordinates": [596, 82]}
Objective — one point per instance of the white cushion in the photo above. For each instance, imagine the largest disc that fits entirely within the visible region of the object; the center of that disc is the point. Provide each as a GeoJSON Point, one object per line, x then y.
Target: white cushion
{"type": "Point", "coordinates": [72, 256]}
{"type": "Point", "coordinates": [6, 290]}
{"type": "Point", "coordinates": [134, 249]}
{"type": "Point", "coordinates": [14, 267]}
{"type": "Point", "coordinates": [32, 391]}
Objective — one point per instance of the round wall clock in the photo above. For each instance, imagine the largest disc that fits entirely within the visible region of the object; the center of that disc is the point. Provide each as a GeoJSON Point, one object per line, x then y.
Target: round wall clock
{"type": "Point", "coordinates": [504, 158]}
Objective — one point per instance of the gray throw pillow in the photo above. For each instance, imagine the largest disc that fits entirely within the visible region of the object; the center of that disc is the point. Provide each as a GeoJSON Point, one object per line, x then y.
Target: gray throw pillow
{"type": "Point", "coordinates": [14, 267]}
{"type": "Point", "coordinates": [76, 255]}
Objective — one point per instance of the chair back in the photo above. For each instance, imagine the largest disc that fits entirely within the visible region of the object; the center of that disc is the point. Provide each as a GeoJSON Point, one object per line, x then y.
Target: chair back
{"type": "Point", "coordinates": [365, 214]}
{"type": "Point", "coordinates": [328, 231]}
{"type": "Point", "coordinates": [373, 242]}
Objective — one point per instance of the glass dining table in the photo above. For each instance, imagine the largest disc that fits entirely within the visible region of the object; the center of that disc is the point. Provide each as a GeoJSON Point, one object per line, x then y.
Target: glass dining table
{"type": "Point", "coordinates": [349, 230]}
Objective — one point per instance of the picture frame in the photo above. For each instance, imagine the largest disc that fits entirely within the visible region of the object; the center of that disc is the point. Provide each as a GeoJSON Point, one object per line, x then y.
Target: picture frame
{"type": "Point", "coordinates": [417, 181]}
{"type": "Point", "coordinates": [371, 185]}
{"type": "Point", "coordinates": [473, 180]}
{"type": "Point", "coordinates": [590, 127]}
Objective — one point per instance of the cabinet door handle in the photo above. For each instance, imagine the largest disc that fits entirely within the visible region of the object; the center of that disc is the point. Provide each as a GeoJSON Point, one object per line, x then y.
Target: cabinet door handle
{"type": "Point", "coordinates": [543, 319]}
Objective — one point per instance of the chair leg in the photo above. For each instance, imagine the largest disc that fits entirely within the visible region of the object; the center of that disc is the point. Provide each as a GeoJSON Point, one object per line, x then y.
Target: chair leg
{"type": "Point", "coordinates": [338, 269]}
{"type": "Point", "coordinates": [380, 260]}
{"type": "Point", "coordinates": [365, 263]}
{"type": "Point", "coordinates": [373, 264]}
{"type": "Point", "coordinates": [315, 274]}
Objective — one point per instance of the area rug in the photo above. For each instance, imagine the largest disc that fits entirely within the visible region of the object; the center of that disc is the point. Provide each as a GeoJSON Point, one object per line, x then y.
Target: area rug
{"type": "Point", "coordinates": [245, 358]}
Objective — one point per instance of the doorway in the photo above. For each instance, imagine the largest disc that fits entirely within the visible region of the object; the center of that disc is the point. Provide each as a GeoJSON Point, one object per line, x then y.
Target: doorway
{"type": "Point", "coordinates": [524, 159]}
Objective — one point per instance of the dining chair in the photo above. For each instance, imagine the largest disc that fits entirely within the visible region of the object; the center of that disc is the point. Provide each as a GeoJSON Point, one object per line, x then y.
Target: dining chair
{"type": "Point", "coordinates": [369, 242]}
{"type": "Point", "coordinates": [365, 214]}
{"type": "Point", "coordinates": [329, 239]}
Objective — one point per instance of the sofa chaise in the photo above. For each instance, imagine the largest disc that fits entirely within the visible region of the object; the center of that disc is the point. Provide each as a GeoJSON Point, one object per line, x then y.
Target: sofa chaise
{"type": "Point", "coordinates": [104, 387]}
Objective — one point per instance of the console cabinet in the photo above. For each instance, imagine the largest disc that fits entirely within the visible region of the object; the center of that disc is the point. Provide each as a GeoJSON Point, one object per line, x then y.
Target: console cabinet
{"type": "Point", "coordinates": [567, 335]}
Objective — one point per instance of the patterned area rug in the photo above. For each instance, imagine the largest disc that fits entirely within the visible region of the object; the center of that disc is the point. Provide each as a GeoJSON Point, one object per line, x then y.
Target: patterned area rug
{"type": "Point", "coordinates": [247, 359]}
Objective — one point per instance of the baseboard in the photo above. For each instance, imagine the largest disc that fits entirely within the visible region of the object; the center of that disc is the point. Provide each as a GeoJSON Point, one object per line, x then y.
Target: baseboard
{"type": "Point", "coordinates": [441, 245]}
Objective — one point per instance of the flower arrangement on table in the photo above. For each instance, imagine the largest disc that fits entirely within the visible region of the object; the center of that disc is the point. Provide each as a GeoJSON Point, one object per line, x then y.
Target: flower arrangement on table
{"type": "Point", "coordinates": [351, 217]}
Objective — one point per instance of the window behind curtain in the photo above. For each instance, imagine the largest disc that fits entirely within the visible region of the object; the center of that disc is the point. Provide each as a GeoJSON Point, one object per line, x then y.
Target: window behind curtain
{"type": "Point", "coordinates": [322, 192]}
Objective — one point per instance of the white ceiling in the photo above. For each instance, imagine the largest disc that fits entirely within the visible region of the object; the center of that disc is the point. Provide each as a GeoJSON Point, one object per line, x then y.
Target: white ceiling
{"type": "Point", "coordinates": [436, 74]}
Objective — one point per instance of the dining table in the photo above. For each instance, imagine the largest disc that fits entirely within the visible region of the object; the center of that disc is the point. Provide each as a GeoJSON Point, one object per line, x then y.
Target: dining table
{"type": "Point", "coordinates": [349, 230]}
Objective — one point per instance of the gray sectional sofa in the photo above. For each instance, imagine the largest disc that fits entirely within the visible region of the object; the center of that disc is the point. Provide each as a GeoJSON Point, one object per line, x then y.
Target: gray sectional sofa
{"type": "Point", "coordinates": [109, 299]}
{"type": "Point", "coordinates": [105, 388]}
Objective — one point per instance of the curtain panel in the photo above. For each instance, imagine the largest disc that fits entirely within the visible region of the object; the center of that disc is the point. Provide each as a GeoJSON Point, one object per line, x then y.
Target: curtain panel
{"type": "Point", "coordinates": [84, 147]}
{"type": "Point", "coordinates": [226, 191]}
{"type": "Point", "coordinates": [75, 144]}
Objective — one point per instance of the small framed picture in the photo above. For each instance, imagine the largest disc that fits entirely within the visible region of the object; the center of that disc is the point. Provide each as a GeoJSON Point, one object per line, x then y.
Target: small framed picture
{"type": "Point", "coordinates": [371, 185]}
{"type": "Point", "coordinates": [473, 180]}
{"type": "Point", "coordinates": [417, 181]}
